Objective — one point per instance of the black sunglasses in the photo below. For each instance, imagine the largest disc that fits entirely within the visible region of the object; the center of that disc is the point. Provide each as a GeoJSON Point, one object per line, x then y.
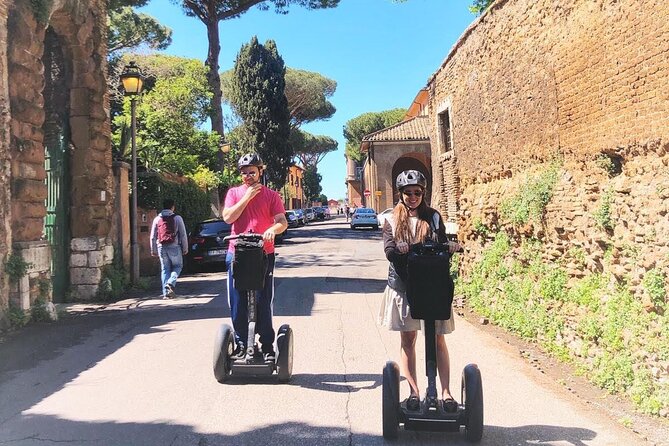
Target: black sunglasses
{"type": "Point", "coordinates": [418, 193]}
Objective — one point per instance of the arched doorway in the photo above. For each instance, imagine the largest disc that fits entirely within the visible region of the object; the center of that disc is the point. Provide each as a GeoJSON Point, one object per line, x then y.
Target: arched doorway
{"type": "Point", "coordinates": [57, 160]}
{"type": "Point", "coordinates": [411, 163]}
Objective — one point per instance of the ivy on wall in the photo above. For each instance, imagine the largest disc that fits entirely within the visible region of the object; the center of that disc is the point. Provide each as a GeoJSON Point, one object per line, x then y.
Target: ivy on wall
{"type": "Point", "coordinates": [41, 9]}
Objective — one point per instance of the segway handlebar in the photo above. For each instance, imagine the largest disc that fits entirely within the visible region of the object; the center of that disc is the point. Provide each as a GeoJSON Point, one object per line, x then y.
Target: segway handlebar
{"type": "Point", "coordinates": [433, 246]}
{"type": "Point", "coordinates": [247, 236]}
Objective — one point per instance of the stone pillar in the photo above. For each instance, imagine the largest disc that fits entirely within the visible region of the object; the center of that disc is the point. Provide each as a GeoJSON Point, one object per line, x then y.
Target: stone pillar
{"type": "Point", "coordinates": [121, 215]}
{"type": "Point", "coordinates": [88, 257]}
{"type": "Point", "coordinates": [36, 283]}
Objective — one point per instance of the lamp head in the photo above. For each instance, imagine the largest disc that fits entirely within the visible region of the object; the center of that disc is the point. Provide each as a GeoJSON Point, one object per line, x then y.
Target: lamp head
{"type": "Point", "coordinates": [132, 79]}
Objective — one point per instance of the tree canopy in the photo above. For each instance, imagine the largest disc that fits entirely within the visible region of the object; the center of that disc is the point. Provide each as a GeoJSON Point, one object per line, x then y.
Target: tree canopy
{"type": "Point", "coordinates": [360, 126]}
{"type": "Point", "coordinates": [257, 96]}
{"type": "Point", "coordinates": [479, 6]}
{"type": "Point", "coordinates": [311, 182]}
{"type": "Point", "coordinates": [210, 13]}
{"type": "Point", "coordinates": [173, 108]}
{"type": "Point", "coordinates": [307, 93]}
{"type": "Point", "coordinates": [310, 149]}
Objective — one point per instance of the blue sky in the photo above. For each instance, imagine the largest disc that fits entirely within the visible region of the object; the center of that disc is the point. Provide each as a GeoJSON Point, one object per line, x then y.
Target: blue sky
{"type": "Point", "coordinates": [380, 53]}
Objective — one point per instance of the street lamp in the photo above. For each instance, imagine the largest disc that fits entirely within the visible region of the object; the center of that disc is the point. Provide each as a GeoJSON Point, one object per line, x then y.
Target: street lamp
{"type": "Point", "coordinates": [133, 80]}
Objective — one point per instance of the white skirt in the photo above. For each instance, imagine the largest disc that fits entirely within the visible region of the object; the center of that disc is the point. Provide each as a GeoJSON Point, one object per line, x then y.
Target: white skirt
{"type": "Point", "coordinates": [394, 314]}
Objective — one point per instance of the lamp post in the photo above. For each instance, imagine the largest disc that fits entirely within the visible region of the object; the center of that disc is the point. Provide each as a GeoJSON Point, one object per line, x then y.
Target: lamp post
{"type": "Point", "coordinates": [133, 80]}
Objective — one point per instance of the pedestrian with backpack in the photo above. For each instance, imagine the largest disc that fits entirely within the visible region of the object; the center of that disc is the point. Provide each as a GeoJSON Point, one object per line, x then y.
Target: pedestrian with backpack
{"type": "Point", "coordinates": [169, 241]}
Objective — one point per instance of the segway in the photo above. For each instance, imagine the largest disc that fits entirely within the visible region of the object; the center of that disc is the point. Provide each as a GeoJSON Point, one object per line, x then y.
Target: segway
{"type": "Point", "coordinates": [248, 270]}
{"type": "Point", "coordinates": [430, 294]}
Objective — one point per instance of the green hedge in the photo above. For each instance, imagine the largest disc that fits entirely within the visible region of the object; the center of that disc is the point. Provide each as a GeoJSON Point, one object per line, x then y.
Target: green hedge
{"type": "Point", "coordinates": [192, 203]}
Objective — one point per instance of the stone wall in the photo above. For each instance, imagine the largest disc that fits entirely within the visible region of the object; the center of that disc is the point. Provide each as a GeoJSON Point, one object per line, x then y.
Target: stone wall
{"type": "Point", "coordinates": [5, 225]}
{"type": "Point", "coordinates": [579, 89]}
{"type": "Point", "coordinates": [529, 78]}
{"type": "Point", "coordinates": [584, 82]}
{"type": "Point", "coordinates": [76, 29]}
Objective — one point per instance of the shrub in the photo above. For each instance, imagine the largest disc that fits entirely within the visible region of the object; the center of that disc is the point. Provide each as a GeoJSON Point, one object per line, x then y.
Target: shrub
{"type": "Point", "coordinates": [603, 213]}
{"type": "Point", "coordinates": [529, 203]}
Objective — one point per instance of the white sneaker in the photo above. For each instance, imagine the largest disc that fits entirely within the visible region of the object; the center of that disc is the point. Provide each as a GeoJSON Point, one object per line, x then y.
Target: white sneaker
{"type": "Point", "coordinates": [169, 291]}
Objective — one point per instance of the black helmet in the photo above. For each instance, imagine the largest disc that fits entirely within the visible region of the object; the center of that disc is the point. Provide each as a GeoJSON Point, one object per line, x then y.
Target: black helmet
{"type": "Point", "coordinates": [410, 178]}
{"type": "Point", "coordinates": [250, 159]}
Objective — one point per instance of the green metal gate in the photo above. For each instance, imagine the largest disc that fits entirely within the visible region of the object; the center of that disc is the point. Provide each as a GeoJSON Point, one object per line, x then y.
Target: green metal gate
{"type": "Point", "coordinates": [56, 222]}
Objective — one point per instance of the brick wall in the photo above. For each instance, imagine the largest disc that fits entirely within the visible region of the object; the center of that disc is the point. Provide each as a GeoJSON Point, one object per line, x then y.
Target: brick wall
{"type": "Point", "coordinates": [529, 79]}
{"type": "Point", "coordinates": [5, 233]}
{"type": "Point", "coordinates": [584, 82]}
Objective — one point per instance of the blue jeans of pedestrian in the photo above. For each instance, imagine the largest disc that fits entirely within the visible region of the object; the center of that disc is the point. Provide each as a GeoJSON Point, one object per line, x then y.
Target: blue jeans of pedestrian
{"type": "Point", "coordinates": [239, 306]}
{"type": "Point", "coordinates": [171, 264]}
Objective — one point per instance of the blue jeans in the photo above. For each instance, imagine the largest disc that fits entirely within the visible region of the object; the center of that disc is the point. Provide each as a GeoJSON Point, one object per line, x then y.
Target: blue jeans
{"type": "Point", "coordinates": [171, 264]}
{"type": "Point", "coordinates": [239, 305]}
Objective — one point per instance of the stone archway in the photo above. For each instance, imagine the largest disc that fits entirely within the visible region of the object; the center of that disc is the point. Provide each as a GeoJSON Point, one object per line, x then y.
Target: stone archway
{"type": "Point", "coordinates": [412, 161]}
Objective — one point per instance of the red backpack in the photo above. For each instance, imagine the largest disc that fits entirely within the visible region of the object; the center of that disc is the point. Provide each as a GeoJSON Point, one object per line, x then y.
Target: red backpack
{"type": "Point", "coordinates": [167, 229]}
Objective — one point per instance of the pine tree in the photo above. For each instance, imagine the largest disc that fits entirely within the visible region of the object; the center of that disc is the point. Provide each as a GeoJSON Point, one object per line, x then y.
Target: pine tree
{"type": "Point", "coordinates": [258, 93]}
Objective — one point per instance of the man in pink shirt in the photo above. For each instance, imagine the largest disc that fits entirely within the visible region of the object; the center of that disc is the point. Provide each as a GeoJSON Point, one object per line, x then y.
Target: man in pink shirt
{"type": "Point", "coordinates": [252, 207]}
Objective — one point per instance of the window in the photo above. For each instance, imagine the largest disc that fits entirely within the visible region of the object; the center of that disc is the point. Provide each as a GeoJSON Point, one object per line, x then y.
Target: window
{"type": "Point", "coordinates": [445, 131]}
{"type": "Point", "coordinates": [358, 173]}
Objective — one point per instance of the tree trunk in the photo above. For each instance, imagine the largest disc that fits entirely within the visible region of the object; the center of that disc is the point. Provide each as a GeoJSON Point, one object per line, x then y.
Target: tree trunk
{"type": "Point", "coordinates": [214, 80]}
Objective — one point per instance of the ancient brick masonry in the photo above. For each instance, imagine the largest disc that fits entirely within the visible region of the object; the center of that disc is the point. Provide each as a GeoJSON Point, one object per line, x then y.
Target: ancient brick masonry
{"type": "Point", "coordinates": [529, 82]}
{"type": "Point", "coordinates": [581, 83]}
{"type": "Point", "coordinates": [54, 76]}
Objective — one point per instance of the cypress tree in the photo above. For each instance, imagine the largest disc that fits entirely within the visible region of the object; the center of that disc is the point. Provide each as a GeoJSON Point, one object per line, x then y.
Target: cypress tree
{"type": "Point", "coordinates": [258, 97]}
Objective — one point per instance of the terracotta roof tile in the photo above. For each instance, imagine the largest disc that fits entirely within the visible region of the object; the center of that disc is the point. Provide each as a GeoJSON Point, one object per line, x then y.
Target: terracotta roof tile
{"type": "Point", "coordinates": [414, 129]}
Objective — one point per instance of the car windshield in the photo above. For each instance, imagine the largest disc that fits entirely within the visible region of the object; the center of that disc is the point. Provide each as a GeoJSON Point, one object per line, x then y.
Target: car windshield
{"type": "Point", "coordinates": [365, 211]}
{"type": "Point", "coordinates": [212, 228]}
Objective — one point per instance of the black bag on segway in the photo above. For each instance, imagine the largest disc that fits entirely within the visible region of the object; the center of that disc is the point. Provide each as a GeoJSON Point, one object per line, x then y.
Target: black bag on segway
{"type": "Point", "coordinates": [249, 266]}
{"type": "Point", "coordinates": [429, 283]}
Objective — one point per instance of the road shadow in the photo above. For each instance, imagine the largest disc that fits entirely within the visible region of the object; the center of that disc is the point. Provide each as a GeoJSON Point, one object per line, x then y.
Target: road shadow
{"type": "Point", "coordinates": [50, 429]}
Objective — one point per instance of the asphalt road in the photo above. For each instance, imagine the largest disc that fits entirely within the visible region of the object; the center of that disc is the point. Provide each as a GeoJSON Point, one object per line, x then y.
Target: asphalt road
{"type": "Point", "coordinates": [139, 372]}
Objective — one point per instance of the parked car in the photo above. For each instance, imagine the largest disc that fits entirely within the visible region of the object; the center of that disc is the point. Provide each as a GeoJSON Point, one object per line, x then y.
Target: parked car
{"type": "Point", "coordinates": [206, 245]}
{"type": "Point", "coordinates": [301, 218]}
{"type": "Point", "coordinates": [319, 213]}
{"type": "Point", "coordinates": [328, 213]}
{"type": "Point", "coordinates": [364, 217]}
{"type": "Point", "coordinates": [291, 218]}
{"type": "Point", "coordinates": [383, 215]}
{"type": "Point", "coordinates": [310, 214]}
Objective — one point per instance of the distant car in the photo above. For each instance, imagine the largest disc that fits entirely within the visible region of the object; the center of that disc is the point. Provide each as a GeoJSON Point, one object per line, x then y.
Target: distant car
{"type": "Point", "coordinates": [364, 217]}
{"type": "Point", "coordinates": [291, 218]}
{"type": "Point", "coordinates": [301, 218]}
{"type": "Point", "coordinates": [206, 245]}
{"type": "Point", "coordinates": [384, 215]}
{"type": "Point", "coordinates": [310, 214]}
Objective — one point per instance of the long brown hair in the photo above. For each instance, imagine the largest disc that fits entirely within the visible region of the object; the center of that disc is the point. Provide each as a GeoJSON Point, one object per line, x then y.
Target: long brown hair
{"type": "Point", "coordinates": [403, 225]}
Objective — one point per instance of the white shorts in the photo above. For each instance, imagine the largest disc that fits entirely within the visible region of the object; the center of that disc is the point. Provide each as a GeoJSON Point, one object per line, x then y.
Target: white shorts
{"type": "Point", "coordinates": [394, 314]}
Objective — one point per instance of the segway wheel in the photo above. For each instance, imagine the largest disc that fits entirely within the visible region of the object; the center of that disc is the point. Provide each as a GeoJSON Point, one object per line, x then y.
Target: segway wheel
{"type": "Point", "coordinates": [284, 362]}
{"type": "Point", "coordinates": [472, 396]}
{"type": "Point", "coordinates": [391, 400]}
{"type": "Point", "coordinates": [223, 349]}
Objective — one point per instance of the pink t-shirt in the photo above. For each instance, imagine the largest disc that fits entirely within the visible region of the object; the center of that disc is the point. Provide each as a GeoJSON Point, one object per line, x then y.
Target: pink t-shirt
{"type": "Point", "coordinates": [258, 215]}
